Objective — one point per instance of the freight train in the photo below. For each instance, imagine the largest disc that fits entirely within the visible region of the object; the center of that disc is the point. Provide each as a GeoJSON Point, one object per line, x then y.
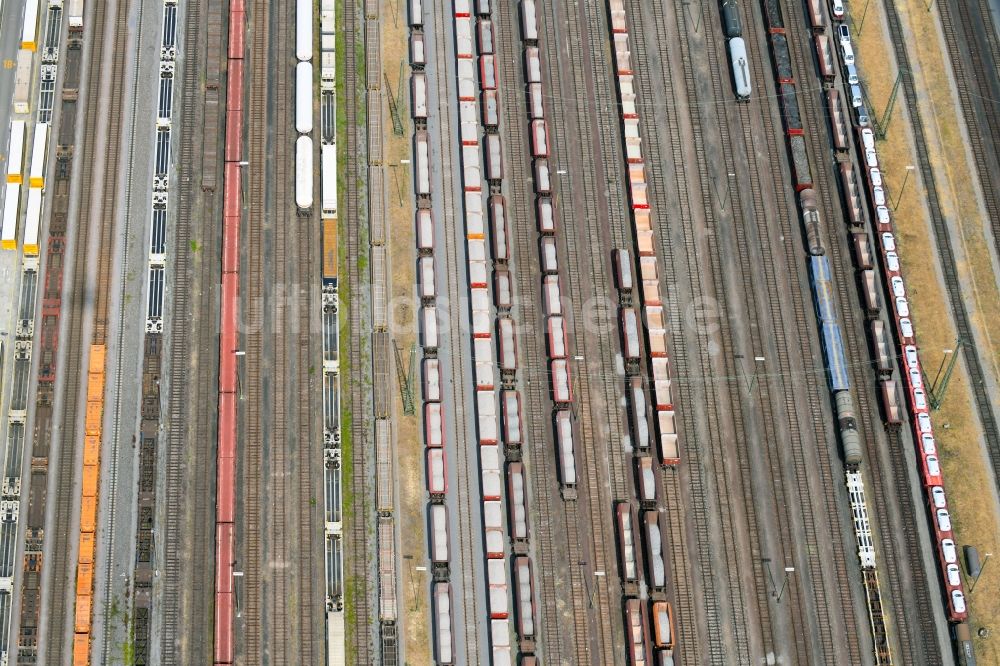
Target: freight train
{"type": "Point", "coordinates": [821, 279]}
{"type": "Point", "coordinates": [225, 510]}
{"type": "Point", "coordinates": [911, 373]}
{"type": "Point", "coordinates": [648, 386]}
{"type": "Point", "coordinates": [481, 179]}
{"type": "Point", "coordinates": [732, 27]}
{"type": "Point", "coordinates": [857, 214]}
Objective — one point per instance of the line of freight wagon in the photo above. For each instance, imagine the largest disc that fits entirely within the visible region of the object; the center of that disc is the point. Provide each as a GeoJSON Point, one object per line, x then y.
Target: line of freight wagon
{"type": "Point", "coordinates": [822, 283]}
{"type": "Point", "coordinates": [491, 480]}
{"type": "Point", "coordinates": [527, 626]}
{"type": "Point", "coordinates": [16, 185]}
{"type": "Point", "coordinates": [385, 500]}
{"type": "Point", "coordinates": [24, 346]}
{"type": "Point", "coordinates": [557, 323]}
{"type": "Point", "coordinates": [882, 225]}
{"type": "Point", "coordinates": [333, 535]}
{"type": "Point", "coordinates": [433, 416]}
{"type": "Point", "coordinates": [225, 510]}
{"type": "Point", "coordinates": [149, 428]}
{"type": "Point", "coordinates": [652, 641]}
{"type": "Point", "coordinates": [304, 93]}
{"type": "Point", "coordinates": [162, 146]}
{"type": "Point", "coordinates": [23, 77]}
{"type": "Point", "coordinates": [821, 276]}
{"type": "Point", "coordinates": [303, 104]}
{"type": "Point", "coordinates": [518, 561]}
{"type": "Point", "coordinates": [911, 371]}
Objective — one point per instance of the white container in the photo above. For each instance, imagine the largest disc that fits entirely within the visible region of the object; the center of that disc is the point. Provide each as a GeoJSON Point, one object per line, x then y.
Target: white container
{"type": "Point", "coordinates": [36, 177]}
{"type": "Point", "coordinates": [31, 222]}
{"type": "Point", "coordinates": [22, 81]}
{"type": "Point", "coordinates": [328, 154]}
{"type": "Point", "coordinates": [75, 13]}
{"type": "Point", "coordinates": [304, 172]}
{"type": "Point", "coordinates": [422, 164]}
{"type": "Point", "coordinates": [303, 98]}
{"type": "Point", "coordinates": [15, 152]}
{"type": "Point", "coordinates": [304, 30]}
{"type": "Point", "coordinates": [11, 202]}
{"type": "Point", "coordinates": [29, 31]}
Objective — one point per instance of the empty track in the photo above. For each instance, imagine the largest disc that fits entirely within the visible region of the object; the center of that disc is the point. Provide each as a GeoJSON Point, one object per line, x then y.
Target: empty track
{"type": "Point", "coordinates": [693, 598]}
{"type": "Point", "coordinates": [968, 27]}
{"type": "Point", "coordinates": [184, 619]}
{"type": "Point", "coordinates": [61, 548]}
{"type": "Point", "coordinates": [261, 374]}
{"type": "Point", "coordinates": [104, 587]}
{"type": "Point", "coordinates": [289, 604]}
{"type": "Point", "coordinates": [591, 228]}
{"type": "Point", "coordinates": [359, 548]}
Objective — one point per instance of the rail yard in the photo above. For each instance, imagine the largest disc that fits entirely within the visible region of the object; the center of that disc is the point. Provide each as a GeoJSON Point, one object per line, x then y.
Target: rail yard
{"type": "Point", "coordinates": [498, 332]}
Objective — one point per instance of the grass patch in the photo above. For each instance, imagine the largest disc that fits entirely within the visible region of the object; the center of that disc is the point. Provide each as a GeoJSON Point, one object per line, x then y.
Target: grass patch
{"type": "Point", "coordinates": [344, 297]}
{"type": "Point", "coordinates": [128, 647]}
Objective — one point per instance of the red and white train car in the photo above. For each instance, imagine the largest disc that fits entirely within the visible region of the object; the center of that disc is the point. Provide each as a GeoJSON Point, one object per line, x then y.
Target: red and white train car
{"type": "Point", "coordinates": [912, 381]}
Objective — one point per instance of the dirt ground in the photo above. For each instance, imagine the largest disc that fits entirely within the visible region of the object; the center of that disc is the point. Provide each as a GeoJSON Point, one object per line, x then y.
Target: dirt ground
{"type": "Point", "coordinates": [957, 429]}
{"type": "Point", "coordinates": [412, 501]}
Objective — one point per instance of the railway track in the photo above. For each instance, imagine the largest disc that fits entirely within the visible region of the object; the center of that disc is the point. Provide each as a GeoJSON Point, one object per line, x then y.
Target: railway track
{"type": "Point", "coordinates": [595, 389]}
{"type": "Point", "coordinates": [308, 489]}
{"type": "Point", "coordinates": [685, 605]}
{"type": "Point", "coordinates": [942, 237]}
{"type": "Point", "coordinates": [109, 477]}
{"type": "Point", "coordinates": [534, 383]}
{"type": "Point", "coordinates": [455, 298]}
{"type": "Point", "coordinates": [309, 353]}
{"type": "Point", "coordinates": [61, 547]}
{"type": "Point", "coordinates": [794, 257]}
{"type": "Point", "coordinates": [256, 514]}
{"type": "Point", "coordinates": [925, 643]}
{"type": "Point", "coordinates": [589, 498]}
{"type": "Point", "coordinates": [606, 201]}
{"type": "Point", "coordinates": [959, 22]}
{"type": "Point", "coordinates": [725, 496]}
{"type": "Point", "coordinates": [748, 223]}
{"type": "Point", "coordinates": [819, 142]}
{"type": "Point", "coordinates": [185, 618]}
{"type": "Point", "coordinates": [359, 547]}
{"type": "Point", "coordinates": [288, 594]}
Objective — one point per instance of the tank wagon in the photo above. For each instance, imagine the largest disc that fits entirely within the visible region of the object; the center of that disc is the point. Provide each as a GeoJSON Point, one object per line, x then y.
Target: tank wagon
{"type": "Point", "coordinates": [732, 25]}
{"type": "Point", "coordinates": [739, 64]}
